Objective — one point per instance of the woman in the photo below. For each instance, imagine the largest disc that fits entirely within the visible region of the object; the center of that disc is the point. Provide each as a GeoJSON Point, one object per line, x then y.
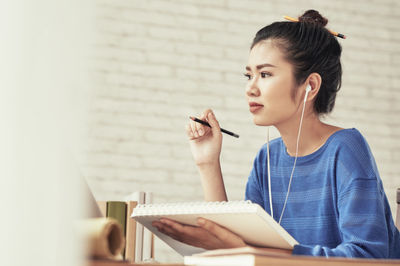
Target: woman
{"type": "Point", "coordinates": [319, 181]}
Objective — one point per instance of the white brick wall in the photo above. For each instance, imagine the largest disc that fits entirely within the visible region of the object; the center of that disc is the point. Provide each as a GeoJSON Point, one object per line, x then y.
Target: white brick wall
{"type": "Point", "coordinates": [157, 62]}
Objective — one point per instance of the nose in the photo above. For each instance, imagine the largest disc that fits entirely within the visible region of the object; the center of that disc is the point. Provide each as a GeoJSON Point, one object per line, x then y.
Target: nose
{"type": "Point", "coordinates": [252, 88]}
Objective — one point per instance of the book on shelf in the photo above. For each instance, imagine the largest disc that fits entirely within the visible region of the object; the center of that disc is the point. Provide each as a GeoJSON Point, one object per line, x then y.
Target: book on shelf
{"type": "Point", "coordinates": [139, 198]}
{"type": "Point", "coordinates": [244, 218]}
{"type": "Point", "coordinates": [147, 234]}
{"type": "Point", "coordinates": [144, 238]}
{"type": "Point", "coordinates": [117, 210]}
{"type": "Point", "coordinates": [130, 234]}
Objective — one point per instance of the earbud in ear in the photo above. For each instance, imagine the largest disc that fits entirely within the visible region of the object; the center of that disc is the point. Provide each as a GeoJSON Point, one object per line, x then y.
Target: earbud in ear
{"type": "Point", "coordinates": [308, 89]}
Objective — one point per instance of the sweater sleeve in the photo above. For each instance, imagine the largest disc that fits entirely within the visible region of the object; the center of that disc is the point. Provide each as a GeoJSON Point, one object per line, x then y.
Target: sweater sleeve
{"type": "Point", "coordinates": [254, 182]}
{"type": "Point", "coordinates": [253, 192]}
{"type": "Point", "coordinates": [362, 217]}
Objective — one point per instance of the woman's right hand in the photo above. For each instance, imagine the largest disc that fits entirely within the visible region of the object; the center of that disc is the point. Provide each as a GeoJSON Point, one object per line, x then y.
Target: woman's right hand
{"type": "Point", "coordinates": [205, 142]}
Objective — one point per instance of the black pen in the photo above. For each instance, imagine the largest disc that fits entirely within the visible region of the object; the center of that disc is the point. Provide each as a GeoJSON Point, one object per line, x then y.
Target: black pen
{"type": "Point", "coordinates": [207, 124]}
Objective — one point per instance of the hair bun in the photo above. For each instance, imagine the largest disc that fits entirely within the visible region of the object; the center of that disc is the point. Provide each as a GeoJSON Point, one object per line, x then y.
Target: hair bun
{"type": "Point", "coordinates": [313, 16]}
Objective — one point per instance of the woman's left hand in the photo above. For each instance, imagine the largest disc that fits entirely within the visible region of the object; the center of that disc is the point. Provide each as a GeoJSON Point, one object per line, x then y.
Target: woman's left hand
{"type": "Point", "coordinates": [207, 234]}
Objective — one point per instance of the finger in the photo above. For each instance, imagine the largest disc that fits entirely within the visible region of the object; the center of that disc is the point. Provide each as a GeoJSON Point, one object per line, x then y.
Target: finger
{"type": "Point", "coordinates": [189, 131]}
{"type": "Point", "coordinates": [171, 228]}
{"type": "Point", "coordinates": [210, 226]}
{"type": "Point", "coordinates": [204, 117]}
{"type": "Point", "coordinates": [192, 235]}
{"type": "Point", "coordinates": [175, 225]}
{"type": "Point", "coordinates": [167, 230]}
{"type": "Point", "coordinates": [200, 128]}
{"type": "Point", "coordinates": [221, 233]}
{"type": "Point", "coordinates": [205, 114]}
{"type": "Point", "coordinates": [194, 128]}
{"type": "Point", "coordinates": [184, 233]}
{"type": "Point", "coordinates": [184, 229]}
{"type": "Point", "coordinates": [157, 224]}
{"type": "Point", "coordinates": [180, 228]}
{"type": "Point", "coordinates": [213, 122]}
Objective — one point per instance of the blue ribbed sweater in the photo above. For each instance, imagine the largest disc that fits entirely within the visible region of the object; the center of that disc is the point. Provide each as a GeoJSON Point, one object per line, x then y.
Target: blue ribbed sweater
{"type": "Point", "coordinates": [336, 206]}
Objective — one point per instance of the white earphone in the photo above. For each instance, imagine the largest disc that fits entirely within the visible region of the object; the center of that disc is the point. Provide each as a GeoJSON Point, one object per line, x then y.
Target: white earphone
{"type": "Point", "coordinates": [308, 89]}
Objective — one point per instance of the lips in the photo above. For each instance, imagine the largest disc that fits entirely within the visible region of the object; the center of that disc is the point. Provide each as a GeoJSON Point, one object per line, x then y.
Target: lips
{"type": "Point", "coordinates": [254, 107]}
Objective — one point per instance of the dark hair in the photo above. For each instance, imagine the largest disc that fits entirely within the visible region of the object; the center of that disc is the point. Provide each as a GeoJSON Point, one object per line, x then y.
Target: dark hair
{"type": "Point", "coordinates": [310, 47]}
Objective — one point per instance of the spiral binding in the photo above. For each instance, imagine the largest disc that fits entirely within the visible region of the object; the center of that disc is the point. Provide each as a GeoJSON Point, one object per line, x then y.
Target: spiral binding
{"type": "Point", "coordinates": [198, 207]}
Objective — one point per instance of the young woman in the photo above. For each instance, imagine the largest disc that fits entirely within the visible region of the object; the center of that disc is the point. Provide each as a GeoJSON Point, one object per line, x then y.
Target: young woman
{"type": "Point", "coordinates": [319, 181]}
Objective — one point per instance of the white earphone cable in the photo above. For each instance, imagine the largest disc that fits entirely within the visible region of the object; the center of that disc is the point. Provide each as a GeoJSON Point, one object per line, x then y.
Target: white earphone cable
{"type": "Point", "coordinates": [295, 158]}
{"type": "Point", "coordinates": [269, 176]}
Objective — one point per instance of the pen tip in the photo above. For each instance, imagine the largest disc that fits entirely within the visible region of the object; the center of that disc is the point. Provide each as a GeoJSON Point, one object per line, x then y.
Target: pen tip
{"type": "Point", "coordinates": [191, 117]}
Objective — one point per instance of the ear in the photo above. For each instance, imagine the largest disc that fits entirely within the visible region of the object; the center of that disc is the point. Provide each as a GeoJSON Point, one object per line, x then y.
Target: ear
{"type": "Point", "coordinates": [315, 81]}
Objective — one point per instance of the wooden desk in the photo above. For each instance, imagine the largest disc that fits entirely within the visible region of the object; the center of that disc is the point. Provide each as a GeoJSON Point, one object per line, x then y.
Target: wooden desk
{"type": "Point", "coordinates": [270, 261]}
{"type": "Point", "coordinates": [123, 263]}
{"type": "Point", "coordinates": [251, 260]}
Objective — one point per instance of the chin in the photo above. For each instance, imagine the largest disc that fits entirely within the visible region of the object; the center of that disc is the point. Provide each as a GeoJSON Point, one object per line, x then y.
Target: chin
{"type": "Point", "coordinates": [261, 122]}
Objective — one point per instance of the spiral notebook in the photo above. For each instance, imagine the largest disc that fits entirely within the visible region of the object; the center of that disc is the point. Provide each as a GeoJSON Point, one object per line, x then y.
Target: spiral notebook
{"type": "Point", "coordinates": [244, 218]}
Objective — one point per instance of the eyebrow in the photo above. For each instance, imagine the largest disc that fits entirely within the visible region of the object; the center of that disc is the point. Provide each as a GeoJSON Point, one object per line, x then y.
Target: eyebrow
{"type": "Point", "coordinates": [261, 66]}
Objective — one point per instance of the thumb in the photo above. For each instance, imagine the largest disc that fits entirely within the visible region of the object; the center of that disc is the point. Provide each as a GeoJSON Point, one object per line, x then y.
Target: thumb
{"type": "Point", "coordinates": [213, 123]}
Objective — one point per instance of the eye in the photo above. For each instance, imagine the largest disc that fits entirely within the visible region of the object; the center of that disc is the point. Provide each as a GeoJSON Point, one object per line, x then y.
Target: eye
{"type": "Point", "coordinates": [265, 74]}
{"type": "Point", "coordinates": [248, 76]}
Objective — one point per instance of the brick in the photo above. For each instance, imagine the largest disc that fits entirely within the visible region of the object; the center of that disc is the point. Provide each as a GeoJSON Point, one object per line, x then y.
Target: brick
{"type": "Point", "coordinates": [199, 49]}
{"type": "Point", "coordinates": [173, 33]}
{"type": "Point", "coordinates": [122, 79]}
{"type": "Point", "coordinates": [167, 137]}
{"type": "Point", "coordinates": [114, 160]}
{"type": "Point", "coordinates": [156, 5]}
{"type": "Point", "coordinates": [147, 70]}
{"type": "Point", "coordinates": [190, 178]}
{"type": "Point", "coordinates": [116, 27]}
{"type": "Point", "coordinates": [143, 149]}
{"type": "Point", "coordinates": [209, 3]}
{"type": "Point", "coordinates": [219, 65]}
{"type": "Point", "coordinates": [146, 44]}
{"type": "Point", "coordinates": [172, 59]}
{"type": "Point", "coordinates": [112, 132]}
{"type": "Point", "coordinates": [126, 174]}
{"type": "Point", "coordinates": [186, 73]}
{"type": "Point", "coordinates": [222, 38]}
{"type": "Point", "coordinates": [235, 15]}
{"type": "Point", "coordinates": [200, 24]}
{"type": "Point", "coordinates": [133, 122]}
{"type": "Point", "coordinates": [249, 5]}
{"type": "Point", "coordinates": [148, 17]}
{"type": "Point", "coordinates": [175, 84]}
{"type": "Point", "coordinates": [165, 163]}
{"type": "Point", "coordinates": [239, 54]}
{"type": "Point", "coordinates": [117, 54]}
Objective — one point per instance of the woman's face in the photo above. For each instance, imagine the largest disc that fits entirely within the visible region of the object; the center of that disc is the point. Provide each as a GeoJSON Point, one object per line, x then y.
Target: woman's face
{"type": "Point", "coordinates": [270, 85]}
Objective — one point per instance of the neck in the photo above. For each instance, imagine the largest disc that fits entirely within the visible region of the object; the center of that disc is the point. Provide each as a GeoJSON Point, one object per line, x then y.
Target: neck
{"type": "Point", "coordinates": [312, 134]}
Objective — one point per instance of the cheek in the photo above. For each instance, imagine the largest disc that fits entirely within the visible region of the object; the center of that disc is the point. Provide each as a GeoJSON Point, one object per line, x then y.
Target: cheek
{"type": "Point", "coordinates": [276, 92]}
{"type": "Point", "coordinates": [278, 102]}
